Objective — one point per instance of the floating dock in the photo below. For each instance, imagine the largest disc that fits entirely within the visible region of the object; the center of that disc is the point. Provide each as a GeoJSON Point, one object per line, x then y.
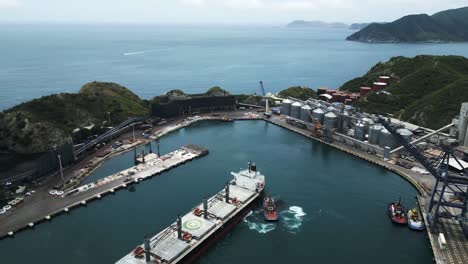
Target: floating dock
{"type": "Point", "coordinates": [187, 238]}
{"type": "Point", "coordinates": [149, 166]}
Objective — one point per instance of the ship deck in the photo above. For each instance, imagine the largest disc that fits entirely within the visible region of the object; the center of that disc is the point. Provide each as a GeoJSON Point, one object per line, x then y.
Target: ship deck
{"type": "Point", "coordinates": [167, 248]}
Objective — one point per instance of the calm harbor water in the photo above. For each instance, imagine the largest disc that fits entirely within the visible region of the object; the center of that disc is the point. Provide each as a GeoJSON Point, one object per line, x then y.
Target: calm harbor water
{"type": "Point", "coordinates": [333, 205]}
{"type": "Point", "coordinates": [43, 59]}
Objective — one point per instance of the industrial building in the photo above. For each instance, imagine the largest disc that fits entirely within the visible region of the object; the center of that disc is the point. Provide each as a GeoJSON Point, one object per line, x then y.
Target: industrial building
{"type": "Point", "coordinates": [193, 104]}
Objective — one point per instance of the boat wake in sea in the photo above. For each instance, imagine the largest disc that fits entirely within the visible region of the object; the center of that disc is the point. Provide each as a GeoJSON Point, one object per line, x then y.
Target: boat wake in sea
{"type": "Point", "coordinates": [137, 52]}
{"type": "Point", "coordinates": [143, 51]}
{"type": "Point", "coordinates": [291, 219]}
{"type": "Point", "coordinates": [254, 221]}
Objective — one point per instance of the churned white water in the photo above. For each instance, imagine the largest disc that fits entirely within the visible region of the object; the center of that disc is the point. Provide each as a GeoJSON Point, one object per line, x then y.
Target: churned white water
{"type": "Point", "coordinates": [290, 219]}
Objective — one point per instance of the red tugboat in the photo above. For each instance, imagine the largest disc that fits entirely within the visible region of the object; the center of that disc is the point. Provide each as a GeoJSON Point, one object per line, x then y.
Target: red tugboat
{"type": "Point", "coordinates": [396, 212]}
{"type": "Point", "coordinates": [269, 209]}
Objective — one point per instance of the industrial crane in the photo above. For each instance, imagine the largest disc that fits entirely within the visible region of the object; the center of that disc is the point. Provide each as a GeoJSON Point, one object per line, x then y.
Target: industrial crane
{"type": "Point", "coordinates": [267, 108]}
{"type": "Point", "coordinates": [448, 188]}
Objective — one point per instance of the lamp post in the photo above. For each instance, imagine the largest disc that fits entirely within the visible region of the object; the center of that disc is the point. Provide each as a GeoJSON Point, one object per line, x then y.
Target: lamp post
{"type": "Point", "coordinates": [133, 129]}
{"type": "Point", "coordinates": [108, 113]}
{"type": "Point", "coordinates": [60, 165]}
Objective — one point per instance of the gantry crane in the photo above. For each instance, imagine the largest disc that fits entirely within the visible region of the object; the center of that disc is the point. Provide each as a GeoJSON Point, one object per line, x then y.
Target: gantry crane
{"type": "Point", "coordinates": [450, 195]}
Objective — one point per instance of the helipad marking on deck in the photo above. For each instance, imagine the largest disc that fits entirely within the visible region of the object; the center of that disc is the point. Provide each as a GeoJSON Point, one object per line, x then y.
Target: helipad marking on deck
{"type": "Point", "coordinates": [192, 224]}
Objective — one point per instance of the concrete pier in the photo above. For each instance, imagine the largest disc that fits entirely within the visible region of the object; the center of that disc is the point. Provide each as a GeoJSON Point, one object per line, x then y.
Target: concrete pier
{"type": "Point", "coordinates": [85, 194]}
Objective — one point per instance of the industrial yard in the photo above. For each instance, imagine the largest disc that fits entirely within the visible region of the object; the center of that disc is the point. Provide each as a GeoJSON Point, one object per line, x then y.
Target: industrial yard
{"type": "Point", "coordinates": [429, 159]}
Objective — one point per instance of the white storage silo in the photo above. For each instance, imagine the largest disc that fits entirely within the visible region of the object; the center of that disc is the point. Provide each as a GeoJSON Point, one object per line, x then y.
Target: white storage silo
{"type": "Point", "coordinates": [305, 113]}
{"type": "Point", "coordinates": [286, 107]}
{"type": "Point", "coordinates": [405, 133]}
{"type": "Point", "coordinates": [374, 134]}
{"type": "Point", "coordinates": [318, 115]}
{"type": "Point", "coordinates": [360, 131]}
{"type": "Point", "coordinates": [330, 120]}
{"type": "Point", "coordinates": [296, 110]}
{"type": "Point", "coordinates": [386, 139]}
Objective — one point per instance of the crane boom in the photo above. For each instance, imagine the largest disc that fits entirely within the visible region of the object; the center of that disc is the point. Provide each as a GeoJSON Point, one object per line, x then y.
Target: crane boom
{"type": "Point", "coordinates": [263, 89]}
{"type": "Point", "coordinates": [267, 107]}
{"type": "Point", "coordinates": [410, 148]}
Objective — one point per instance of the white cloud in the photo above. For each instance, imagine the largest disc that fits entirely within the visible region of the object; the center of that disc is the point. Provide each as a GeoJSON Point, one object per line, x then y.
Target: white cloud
{"type": "Point", "coordinates": [8, 3]}
{"type": "Point", "coordinates": [218, 11]}
{"type": "Point", "coordinates": [194, 2]}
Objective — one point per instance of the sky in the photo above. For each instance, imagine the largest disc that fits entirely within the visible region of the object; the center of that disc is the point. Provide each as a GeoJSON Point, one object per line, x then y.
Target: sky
{"type": "Point", "coordinates": [216, 11]}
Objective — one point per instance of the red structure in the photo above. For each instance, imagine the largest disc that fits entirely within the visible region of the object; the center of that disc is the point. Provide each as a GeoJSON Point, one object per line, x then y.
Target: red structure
{"type": "Point", "coordinates": [321, 91]}
{"type": "Point", "coordinates": [384, 79]}
{"type": "Point", "coordinates": [378, 86]}
{"type": "Point", "coordinates": [364, 91]}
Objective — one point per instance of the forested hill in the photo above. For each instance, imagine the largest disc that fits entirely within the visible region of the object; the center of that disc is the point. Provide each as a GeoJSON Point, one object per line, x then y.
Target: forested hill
{"type": "Point", "coordinates": [425, 90]}
{"type": "Point", "coordinates": [446, 26]}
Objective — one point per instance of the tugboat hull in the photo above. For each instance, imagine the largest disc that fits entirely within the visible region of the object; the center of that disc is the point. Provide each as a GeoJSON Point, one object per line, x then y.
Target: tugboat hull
{"type": "Point", "coordinates": [397, 217]}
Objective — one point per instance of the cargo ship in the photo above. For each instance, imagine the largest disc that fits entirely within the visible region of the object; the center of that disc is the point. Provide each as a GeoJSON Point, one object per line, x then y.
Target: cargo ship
{"type": "Point", "coordinates": [192, 234]}
{"type": "Point", "coordinates": [270, 212]}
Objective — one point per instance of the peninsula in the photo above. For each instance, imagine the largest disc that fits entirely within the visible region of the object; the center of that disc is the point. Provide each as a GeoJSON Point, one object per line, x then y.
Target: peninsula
{"type": "Point", "coordinates": [446, 26]}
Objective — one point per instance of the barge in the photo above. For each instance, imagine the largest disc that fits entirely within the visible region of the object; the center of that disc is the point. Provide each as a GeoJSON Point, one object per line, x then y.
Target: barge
{"type": "Point", "coordinates": [192, 234]}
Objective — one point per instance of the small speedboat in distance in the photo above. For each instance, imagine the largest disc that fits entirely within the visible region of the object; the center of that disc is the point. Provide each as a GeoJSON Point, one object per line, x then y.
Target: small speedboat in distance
{"type": "Point", "coordinates": [270, 211]}
{"type": "Point", "coordinates": [414, 220]}
{"type": "Point", "coordinates": [396, 212]}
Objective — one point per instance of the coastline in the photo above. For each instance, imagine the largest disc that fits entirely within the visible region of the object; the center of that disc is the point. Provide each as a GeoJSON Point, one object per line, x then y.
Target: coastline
{"type": "Point", "coordinates": [411, 177]}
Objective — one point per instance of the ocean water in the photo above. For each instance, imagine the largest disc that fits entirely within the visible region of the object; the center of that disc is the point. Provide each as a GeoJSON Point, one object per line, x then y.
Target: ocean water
{"type": "Point", "coordinates": [332, 205]}
{"type": "Point", "coordinates": [38, 60]}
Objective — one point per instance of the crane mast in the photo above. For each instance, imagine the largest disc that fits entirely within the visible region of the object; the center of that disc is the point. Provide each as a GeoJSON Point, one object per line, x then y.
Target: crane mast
{"type": "Point", "coordinates": [267, 107]}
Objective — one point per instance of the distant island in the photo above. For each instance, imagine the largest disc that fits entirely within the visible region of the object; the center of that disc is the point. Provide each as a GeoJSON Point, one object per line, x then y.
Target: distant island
{"type": "Point", "coordinates": [315, 24]}
{"type": "Point", "coordinates": [424, 90]}
{"type": "Point", "coordinates": [321, 24]}
{"type": "Point", "coordinates": [445, 26]}
{"type": "Point", "coordinates": [358, 26]}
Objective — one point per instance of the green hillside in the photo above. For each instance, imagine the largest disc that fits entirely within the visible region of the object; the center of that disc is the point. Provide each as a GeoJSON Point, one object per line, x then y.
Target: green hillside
{"type": "Point", "coordinates": [450, 25]}
{"type": "Point", "coordinates": [35, 125]}
{"type": "Point", "coordinates": [299, 92]}
{"type": "Point", "coordinates": [425, 90]}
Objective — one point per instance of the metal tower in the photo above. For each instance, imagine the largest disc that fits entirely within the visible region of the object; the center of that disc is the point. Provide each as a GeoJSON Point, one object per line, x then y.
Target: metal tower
{"type": "Point", "coordinates": [267, 108]}
{"type": "Point", "coordinates": [450, 195]}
